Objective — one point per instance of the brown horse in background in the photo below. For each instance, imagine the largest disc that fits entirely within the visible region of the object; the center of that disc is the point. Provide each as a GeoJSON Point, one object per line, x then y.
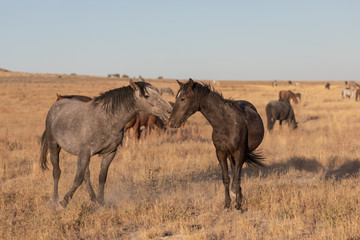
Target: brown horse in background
{"type": "Point", "coordinates": [288, 95]}
{"type": "Point", "coordinates": [149, 122]}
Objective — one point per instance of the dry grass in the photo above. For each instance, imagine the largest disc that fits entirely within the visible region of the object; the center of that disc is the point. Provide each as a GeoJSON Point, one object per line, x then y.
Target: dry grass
{"type": "Point", "coordinates": [170, 187]}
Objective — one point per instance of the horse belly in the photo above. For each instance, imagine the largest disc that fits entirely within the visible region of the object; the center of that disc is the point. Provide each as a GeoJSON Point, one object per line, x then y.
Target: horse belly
{"type": "Point", "coordinates": [255, 128]}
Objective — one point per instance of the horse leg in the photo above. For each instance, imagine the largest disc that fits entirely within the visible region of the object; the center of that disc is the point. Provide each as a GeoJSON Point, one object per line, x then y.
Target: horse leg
{"type": "Point", "coordinates": [222, 158]}
{"type": "Point", "coordinates": [82, 165]}
{"type": "Point", "coordinates": [89, 186]}
{"type": "Point", "coordinates": [54, 149]}
{"type": "Point", "coordinates": [105, 163]}
{"type": "Point", "coordinates": [235, 186]}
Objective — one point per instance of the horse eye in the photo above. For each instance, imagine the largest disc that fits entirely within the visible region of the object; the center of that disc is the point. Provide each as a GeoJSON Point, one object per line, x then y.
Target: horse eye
{"type": "Point", "coordinates": [182, 99]}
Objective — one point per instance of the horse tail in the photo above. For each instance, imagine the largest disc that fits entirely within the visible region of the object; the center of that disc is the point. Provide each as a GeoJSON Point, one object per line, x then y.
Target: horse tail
{"type": "Point", "coordinates": [255, 158]}
{"type": "Point", "coordinates": [43, 152]}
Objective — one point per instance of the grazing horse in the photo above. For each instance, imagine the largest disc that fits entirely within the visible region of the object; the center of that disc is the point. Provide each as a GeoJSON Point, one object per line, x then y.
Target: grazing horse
{"type": "Point", "coordinates": [288, 95]}
{"type": "Point", "coordinates": [348, 93]}
{"type": "Point", "coordinates": [237, 129]}
{"type": "Point", "coordinates": [85, 129]}
{"type": "Point", "coordinates": [280, 110]}
{"type": "Point", "coordinates": [327, 86]}
{"type": "Point", "coordinates": [166, 90]}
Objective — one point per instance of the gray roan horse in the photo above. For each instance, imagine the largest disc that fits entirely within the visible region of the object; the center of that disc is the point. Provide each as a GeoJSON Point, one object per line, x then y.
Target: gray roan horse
{"type": "Point", "coordinates": [280, 110]}
{"type": "Point", "coordinates": [237, 129]}
{"type": "Point", "coordinates": [95, 127]}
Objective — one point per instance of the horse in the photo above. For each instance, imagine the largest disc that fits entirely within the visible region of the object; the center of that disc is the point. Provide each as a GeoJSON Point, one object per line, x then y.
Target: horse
{"type": "Point", "coordinates": [166, 90]}
{"type": "Point", "coordinates": [141, 119]}
{"type": "Point", "coordinates": [289, 95]}
{"type": "Point", "coordinates": [353, 85]}
{"type": "Point", "coordinates": [327, 86]}
{"type": "Point", "coordinates": [85, 129]}
{"type": "Point", "coordinates": [148, 121]}
{"type": "Point", "coordinates": [348, 93]}
{"type": "Point", "coordinates": [237, 129]}
{"type": "Point", "coordinates": [357, 94]}
{"type": "Point", "coordinates": [280, 110]}
{"type": "Point", "coordinates": [274, 83]}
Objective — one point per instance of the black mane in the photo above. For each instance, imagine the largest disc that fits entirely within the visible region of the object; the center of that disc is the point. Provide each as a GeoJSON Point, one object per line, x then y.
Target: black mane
{"type": "Point", "coordinates": [115, 99]}
{"type": "Point", "coordinates": [204, 89]}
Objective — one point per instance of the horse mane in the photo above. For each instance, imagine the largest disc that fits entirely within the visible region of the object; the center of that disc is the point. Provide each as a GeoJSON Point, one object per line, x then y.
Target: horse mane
{"type": "Point", "coordinates": [115, 99]}
{"type": "Point", "coordinates": [205, 89]}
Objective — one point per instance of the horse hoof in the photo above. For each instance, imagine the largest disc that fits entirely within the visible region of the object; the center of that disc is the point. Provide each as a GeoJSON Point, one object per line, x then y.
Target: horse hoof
{"type": "Point", "coordinates": [63, 203]}
{"type": "Point", "coordinates": [238, 207]}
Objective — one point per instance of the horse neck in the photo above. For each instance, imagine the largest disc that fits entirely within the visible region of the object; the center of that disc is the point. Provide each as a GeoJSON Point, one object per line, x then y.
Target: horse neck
{"type": "Point", "coordinates": [211, 108]}
{"type": "Point", "coordinates": [121, 117]}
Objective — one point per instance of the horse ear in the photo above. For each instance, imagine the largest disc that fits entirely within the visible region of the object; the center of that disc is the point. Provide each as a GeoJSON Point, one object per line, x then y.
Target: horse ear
{"type": "Point", "coordinates": [133, 85]}
{"type": "Point", "coordinates": [180, 83]}
{"type": "Point", "coordinates": [191, 82]}
{"type": "Point", "coordinates": [58, 96]}
{"type": "Point", "coordinates": [141, 78]}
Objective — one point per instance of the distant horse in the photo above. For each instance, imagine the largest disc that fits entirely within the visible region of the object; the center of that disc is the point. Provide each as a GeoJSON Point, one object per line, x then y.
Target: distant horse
{"type": "Point", "coordinates": [348, 93]}
{"type": "Point", "coordinates": [327, 86]}
{"type": "Point", "coordinates": [148, 121]}
{"type": "Point", "coordinates": [237, 129]}
{"type": "Point", "coordinates": [288, 95]}
{"type": "Point", "coordinates": [280, 110]}
{"type": "Point", "coordinates": [353, 85]}
{"type": "Point", "coordinates": [275, 83]}
{"type": "Point", "coordinates": [166, 90]}
{"type": "Point", "coordinates": [85, 129]}
{"type": "Point", "coordinates": [298, 84]}
{"type": "Point", "coordinates": [357, 94]}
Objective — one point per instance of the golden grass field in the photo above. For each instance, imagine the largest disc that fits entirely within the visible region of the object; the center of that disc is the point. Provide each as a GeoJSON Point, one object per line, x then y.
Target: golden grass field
{"type": "Point", "coordinates": [169, 186]}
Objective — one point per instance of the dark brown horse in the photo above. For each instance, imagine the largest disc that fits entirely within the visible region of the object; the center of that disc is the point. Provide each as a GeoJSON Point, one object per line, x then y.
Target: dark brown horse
{"type": "Point", "coordinates": [288, 95]}
{"type": "Point", "coordinates": [327, 85]}
{"type": "Point", "coordinates": [280, 110]}
{"type": "Point", "coordinates": [237, 129]}
{"type": "Point", "coordinates": [357, 94]}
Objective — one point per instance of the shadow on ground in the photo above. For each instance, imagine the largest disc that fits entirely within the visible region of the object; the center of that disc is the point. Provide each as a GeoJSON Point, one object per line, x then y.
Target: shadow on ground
{"type": "Point", "coordinates": [351, 168]}
{"type": "Point", "coordinates": [297, 163]}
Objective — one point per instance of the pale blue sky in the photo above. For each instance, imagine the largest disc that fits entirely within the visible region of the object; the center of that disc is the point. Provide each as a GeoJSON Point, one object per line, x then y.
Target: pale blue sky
{"type": "Point", "coordinates": [215, 40]}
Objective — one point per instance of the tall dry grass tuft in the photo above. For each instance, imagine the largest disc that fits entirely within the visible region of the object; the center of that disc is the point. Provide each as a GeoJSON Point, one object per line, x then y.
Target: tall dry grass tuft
{"type": "Point", "coordinates": [170, 187]}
